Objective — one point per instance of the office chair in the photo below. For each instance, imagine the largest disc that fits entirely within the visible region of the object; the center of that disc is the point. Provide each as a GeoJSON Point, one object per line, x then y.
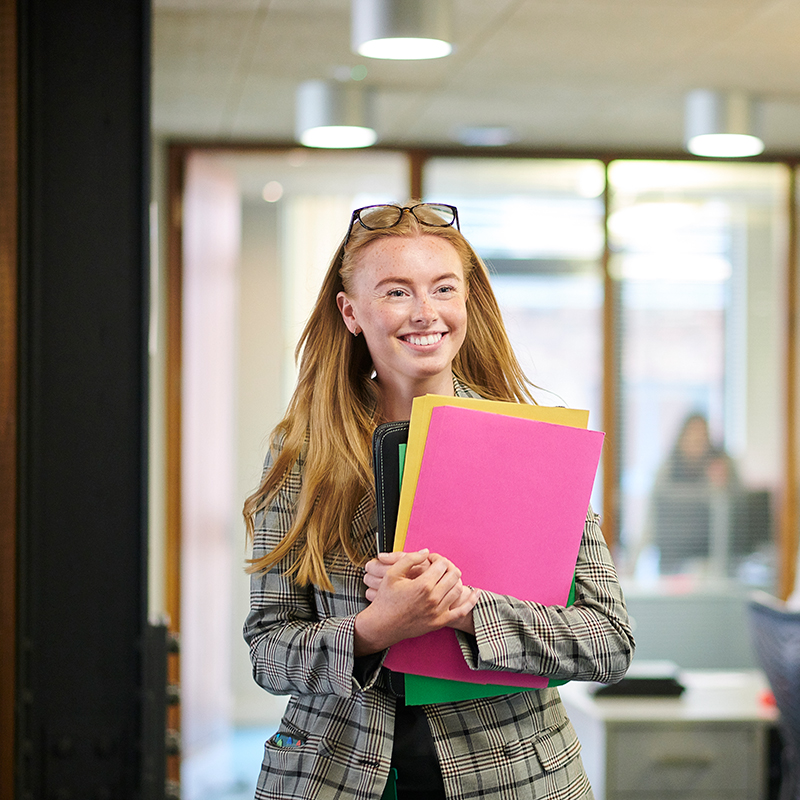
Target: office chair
{"type": "Point", "coordinates": [776, 638]}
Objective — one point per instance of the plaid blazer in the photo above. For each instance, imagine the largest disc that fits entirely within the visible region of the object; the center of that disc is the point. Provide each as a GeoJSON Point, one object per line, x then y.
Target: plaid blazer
{"type": "Point", "coordinates": [341, 710]}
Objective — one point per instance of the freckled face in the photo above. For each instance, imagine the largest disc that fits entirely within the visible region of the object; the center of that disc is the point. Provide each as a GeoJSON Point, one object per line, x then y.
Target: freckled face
{"type": "Point", "coordinates": [408, 297]}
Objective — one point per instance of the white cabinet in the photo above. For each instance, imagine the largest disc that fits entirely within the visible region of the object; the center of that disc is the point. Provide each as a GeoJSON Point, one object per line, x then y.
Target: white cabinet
{"type": "Point", "coordinates": [708, 744]}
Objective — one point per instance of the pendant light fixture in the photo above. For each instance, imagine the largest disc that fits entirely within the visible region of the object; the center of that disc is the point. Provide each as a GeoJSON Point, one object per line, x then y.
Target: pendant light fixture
{"type": "Point", "coordinates": [721, 124]}
{"type": "Point", "coordinates": [402, 29]}
{"type": "Point", "coordinates": [333, 114]}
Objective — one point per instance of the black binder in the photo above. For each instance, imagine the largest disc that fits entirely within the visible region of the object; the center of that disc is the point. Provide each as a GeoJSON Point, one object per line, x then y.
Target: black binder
{"type": "Point", "coordinates": [386, 442]}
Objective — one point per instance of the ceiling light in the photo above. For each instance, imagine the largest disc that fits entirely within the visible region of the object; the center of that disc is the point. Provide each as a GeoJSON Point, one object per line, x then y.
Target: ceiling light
{"type": "Point", "coordinates": [721, 124]}
{"type": "Point", "coordinates": [402, 29]}
{"type": "Point", "coordinates": [335, 115]}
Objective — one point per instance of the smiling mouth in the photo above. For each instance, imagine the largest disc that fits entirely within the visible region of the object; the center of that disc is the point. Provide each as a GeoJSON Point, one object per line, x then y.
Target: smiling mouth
{"type": "Point", "coordinates": [421, 341]}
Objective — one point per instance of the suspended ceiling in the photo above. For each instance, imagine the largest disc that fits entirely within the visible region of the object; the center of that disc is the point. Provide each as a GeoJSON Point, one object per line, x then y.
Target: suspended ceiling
{"type": "Point", "coordinates": [558, 74]}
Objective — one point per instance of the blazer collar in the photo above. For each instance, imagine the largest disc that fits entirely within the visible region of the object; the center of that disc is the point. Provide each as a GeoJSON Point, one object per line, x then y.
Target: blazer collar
{"type": "Point", "coordinates": [462, 390]}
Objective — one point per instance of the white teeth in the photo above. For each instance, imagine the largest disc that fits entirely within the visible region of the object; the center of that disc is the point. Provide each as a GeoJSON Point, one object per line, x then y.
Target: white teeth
{"type": "Point", "coordinates": [431, 338]}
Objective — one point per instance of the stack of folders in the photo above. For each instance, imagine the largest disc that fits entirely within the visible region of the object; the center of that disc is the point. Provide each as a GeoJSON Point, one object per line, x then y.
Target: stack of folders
{"type": "Point", "coordinates": [502, 490]}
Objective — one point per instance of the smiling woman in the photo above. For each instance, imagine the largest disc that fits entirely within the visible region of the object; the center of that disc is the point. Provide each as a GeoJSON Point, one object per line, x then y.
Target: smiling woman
{"type": "Point", "coordinates": [325, 609]}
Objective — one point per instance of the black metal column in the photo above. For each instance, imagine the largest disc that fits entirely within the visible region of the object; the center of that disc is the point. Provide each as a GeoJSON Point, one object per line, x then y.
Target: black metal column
{"type": "Point", "coordinates": [84, 169]}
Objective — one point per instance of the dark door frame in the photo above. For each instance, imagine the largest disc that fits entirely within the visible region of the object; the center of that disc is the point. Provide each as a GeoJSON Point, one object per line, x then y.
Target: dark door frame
{"type": "Point", "coordinates": [73, 301]}
{"type": "Point", "coordinates": [8, 387]}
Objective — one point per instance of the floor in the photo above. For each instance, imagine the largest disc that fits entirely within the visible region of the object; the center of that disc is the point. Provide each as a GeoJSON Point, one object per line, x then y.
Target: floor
{"type": "Point", "coordinates": [228, 770]}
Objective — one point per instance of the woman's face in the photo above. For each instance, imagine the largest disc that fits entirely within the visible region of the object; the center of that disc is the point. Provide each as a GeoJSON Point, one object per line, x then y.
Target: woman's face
{"type": "Point", "coordinates": [695, 442]}
{"type": "Point", "coordinates": [408, 297]}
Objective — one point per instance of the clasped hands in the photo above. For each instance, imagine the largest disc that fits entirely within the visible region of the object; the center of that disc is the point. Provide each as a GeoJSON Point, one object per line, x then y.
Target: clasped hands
{"type": "Point", "coordinates": [412, 594]}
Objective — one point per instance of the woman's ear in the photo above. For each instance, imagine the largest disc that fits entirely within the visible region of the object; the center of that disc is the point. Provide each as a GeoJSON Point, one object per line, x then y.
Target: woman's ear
{"type": "Point", "coordinates": [348, 313]}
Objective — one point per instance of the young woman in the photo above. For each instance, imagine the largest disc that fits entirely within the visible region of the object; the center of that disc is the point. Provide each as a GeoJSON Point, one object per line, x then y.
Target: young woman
{"type": "Point", "coordinates": [406, 308]}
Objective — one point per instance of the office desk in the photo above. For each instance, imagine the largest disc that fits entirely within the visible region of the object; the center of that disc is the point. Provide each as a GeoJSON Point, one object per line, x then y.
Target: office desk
{"type": "Point", "coordinates": [710, 743]}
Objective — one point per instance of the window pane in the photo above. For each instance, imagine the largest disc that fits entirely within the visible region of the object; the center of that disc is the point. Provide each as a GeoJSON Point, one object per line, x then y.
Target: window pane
{"type": "Point", "coordinates": [298, 233]}
{"type": "Point", "coordinates": [538, 225]}
{"type": "Point", "coordinates": [697, 251]}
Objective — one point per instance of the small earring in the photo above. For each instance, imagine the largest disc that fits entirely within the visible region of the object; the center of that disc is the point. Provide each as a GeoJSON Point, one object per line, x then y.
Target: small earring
{"type": "Point", "coordinates": [356, 331]}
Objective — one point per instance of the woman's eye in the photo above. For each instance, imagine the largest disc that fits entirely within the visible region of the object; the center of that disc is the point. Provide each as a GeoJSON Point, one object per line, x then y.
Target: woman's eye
{"type": "Point", "coordinates": [395, 293]}
{"type": "Point", "coordinates": [446, 289]}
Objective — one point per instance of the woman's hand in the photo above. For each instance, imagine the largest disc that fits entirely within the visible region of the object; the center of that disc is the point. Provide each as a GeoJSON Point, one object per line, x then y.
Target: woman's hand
{"type": "Point", "coordinates": [376, 570]}
{"type": "Point", "coordinates": [469, 597]}
{"type": "Point", "coordinates": [411, 594]}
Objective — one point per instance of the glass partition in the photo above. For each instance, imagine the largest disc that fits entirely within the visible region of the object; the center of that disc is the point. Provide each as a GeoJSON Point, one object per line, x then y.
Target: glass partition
{"type": "Point", "coordinates": [298, 203]}
{"type": "Point", "coordinates": [295, 206]}
{"type": "Point", "coordinates": [538, 225]}
{"type": "Point", "coordinates": [697, 261]}
{"type": "Point", "coordinates": [697, 264]}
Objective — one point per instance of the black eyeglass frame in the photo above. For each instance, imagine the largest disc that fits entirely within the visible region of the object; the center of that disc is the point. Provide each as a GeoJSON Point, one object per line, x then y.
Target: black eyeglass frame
{"type": "Point", "coordinates": [356, 217]}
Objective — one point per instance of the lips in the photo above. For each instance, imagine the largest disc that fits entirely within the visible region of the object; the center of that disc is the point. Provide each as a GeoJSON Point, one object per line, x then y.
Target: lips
{"type": "Point", "coordinates": [423, 340]}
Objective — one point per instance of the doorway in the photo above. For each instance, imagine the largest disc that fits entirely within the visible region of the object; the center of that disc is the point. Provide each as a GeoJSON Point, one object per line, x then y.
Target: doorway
{"type": "Point", "coordinates": [242, 274]}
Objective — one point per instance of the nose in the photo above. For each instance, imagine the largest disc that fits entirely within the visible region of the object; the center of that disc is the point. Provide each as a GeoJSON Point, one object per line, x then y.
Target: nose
{"type": "Point", "coordinates": [424, 312]}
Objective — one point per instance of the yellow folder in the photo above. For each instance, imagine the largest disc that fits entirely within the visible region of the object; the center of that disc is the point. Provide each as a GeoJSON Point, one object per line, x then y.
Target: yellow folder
{"type": "Point", "coordinates": [418, 432]}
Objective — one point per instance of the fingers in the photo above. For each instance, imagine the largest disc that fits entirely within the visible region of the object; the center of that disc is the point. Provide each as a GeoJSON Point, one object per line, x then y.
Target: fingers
{"type": "Point", "coordinates": [372, 581]}
{"type": "Point", "coordinates": [378, 567]}
{"type": "Point", "coordinates": [421, 586]}
{"type": "Point", "coordinates": [408, 561]}
{"type": "Point", "coordinates": [389, 558]}
{"type": "Point", "coordinates": [440, 587]}
{"type": "Point", "coordinates": [445, 582]}
{"type": "Point", "coordinates": [375, 570]}
{"type": "Point", "coordinates": [382, 562]}
{"type": "Point", "coordinates": [466, 602]}
{"type": "Point", "coordinates": [461, 615]}
{"type": "Point", "coordinates": [436, 572]}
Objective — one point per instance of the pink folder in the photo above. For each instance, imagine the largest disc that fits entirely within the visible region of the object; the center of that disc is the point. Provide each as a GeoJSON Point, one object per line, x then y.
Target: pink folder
{"type": "Point", "coordinates": [504, 499]}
